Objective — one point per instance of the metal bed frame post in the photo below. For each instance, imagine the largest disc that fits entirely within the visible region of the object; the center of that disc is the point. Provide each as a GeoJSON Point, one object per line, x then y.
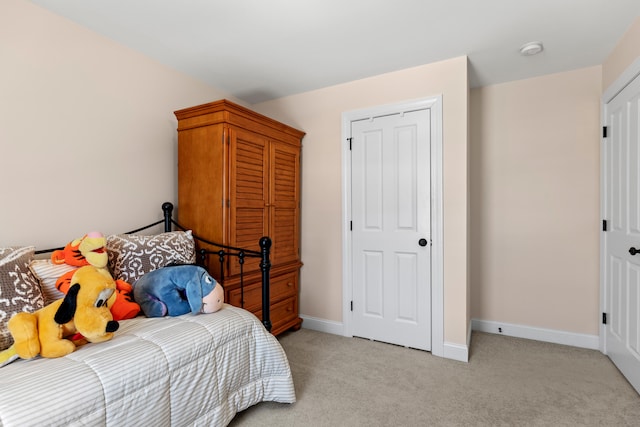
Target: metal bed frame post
{"type": "Point", "coordinates": [167, 208]}
{"type": "Point", "coordinates": [265, 266]}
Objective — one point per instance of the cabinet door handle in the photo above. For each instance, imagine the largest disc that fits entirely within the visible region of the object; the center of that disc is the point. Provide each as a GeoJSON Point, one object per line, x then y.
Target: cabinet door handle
{"type": "Point", "coordinates": [634, 251]}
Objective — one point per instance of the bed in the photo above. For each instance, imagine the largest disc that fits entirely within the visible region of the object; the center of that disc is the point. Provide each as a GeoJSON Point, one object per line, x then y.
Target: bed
{"type": "Point", "coordinates": [194, 369]}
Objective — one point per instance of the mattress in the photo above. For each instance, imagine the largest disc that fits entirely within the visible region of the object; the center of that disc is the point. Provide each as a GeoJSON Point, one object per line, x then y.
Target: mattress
{"type": "Point", "coordinates": [194, 369]}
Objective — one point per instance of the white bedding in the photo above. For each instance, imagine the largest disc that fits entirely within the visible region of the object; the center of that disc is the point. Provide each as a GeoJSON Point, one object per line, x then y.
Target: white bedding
{"type": "Point", "coordinates": [171, 371]}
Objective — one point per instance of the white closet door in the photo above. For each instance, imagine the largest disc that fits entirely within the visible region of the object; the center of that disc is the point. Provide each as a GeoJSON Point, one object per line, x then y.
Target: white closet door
{"type": "Point", "coordinates": [621, 170]}
{"type": "Point", "coordinates": [391, 228]}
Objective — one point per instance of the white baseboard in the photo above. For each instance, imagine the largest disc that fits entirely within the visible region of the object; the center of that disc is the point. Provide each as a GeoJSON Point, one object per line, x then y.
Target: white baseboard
{"type": "Point", "coordinates": [460, 352]}
{"type": "Point", "coordinates": [451, 350]}
{"type": "Point", "coordinates": [457, 352]}
{"type": "Point", "coordinates": [322, 325]}
{"type": "Point", "coordinates": [539, 334]}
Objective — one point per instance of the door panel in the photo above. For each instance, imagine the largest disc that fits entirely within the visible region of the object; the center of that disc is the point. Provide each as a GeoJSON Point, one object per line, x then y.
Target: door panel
{"type": "Point", "coordinates": [622, 210]}
{"type": "Point", "coordinates": [391, 213]}
{"type": "Point", "coordinates": [248, 215]}
{"type": "Point", "coordinates": [408, 292]}
{"type": "Point", "coordinates": [284, 202]}
{"type": "Point", "coordinates": [374, 291]}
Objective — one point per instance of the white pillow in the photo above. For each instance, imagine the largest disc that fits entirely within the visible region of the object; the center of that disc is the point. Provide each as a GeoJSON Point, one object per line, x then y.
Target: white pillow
{"type": "Point", "coordinates": [47, 274]}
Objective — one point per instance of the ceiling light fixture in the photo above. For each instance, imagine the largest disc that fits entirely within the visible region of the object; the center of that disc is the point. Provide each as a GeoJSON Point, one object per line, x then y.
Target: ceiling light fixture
{"type": "Point", "coordinates": [530, 49]}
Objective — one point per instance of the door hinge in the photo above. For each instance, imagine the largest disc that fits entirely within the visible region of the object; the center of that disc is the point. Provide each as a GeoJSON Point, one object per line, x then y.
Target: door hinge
{"type": "Point", "coordinates": [604, 225]}
{"type": "Point", "coordinates": [351, 305]}
{"type": "Point", "coordinates": [604, 318]}
{"type": "Point", "coordinates": [604, 131]}
{"type": "Point", "coordinates": [350, 225]}
{"type": "Point", "coordinates": [350, 142]}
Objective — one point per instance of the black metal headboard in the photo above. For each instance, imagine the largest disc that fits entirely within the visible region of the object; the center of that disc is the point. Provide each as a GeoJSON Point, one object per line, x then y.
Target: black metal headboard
{"type": "Point", "coordinates": [222, 253]}
{"type": "Point", "coordinates": [225, 251]}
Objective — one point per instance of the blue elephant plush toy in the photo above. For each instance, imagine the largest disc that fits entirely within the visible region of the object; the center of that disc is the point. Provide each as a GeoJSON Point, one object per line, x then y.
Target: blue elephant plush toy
{"type": "Point", "coordinates": [176, 290]}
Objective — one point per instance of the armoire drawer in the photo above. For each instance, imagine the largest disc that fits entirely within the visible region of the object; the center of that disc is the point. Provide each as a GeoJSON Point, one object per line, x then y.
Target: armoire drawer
{"type": "Point", "coordinates": [281, 313]}
{"type": "Point", "coordinates": [281, 287]}
{"type": "Point", "coordinates": [284, 286]}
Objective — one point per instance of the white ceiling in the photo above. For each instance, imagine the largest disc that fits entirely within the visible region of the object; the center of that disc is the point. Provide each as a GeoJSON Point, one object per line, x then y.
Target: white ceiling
{"type": "Point", "coordinates": [258, 50]}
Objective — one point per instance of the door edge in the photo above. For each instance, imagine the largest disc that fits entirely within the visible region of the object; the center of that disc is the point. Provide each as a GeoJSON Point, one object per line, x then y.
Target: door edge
{"type": "Point", "coordinates": [625, 78]}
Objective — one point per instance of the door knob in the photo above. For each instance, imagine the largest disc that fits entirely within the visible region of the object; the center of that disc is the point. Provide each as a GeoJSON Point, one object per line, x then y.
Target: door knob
{"type": "Point", "coordinates": [422, 242]}
{"type": "Point", "coordinates": [634, 251]}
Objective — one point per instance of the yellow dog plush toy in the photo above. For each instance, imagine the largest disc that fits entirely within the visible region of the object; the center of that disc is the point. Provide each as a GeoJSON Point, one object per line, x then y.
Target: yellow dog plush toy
{"type": "Point", "coordinates": [83, 310]}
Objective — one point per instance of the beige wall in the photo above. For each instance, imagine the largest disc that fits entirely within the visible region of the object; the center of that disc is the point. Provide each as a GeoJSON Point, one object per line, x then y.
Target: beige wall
{"type": "Point", "coordinates": [87, 132]}
{"type": "Point", "coordinates": [624, 54]}
{"type": "Point", "coordinates": [534, 166]}
{"type": "Point", "coordinates": [319, 114]}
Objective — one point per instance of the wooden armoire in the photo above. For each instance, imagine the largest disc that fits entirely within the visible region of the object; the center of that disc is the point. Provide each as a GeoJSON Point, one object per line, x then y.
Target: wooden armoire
{"type": "Point", "coordinates": [239, 180]}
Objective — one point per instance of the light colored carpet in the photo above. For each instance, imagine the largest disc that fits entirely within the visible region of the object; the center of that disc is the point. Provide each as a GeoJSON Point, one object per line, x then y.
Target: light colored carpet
{"type": "Point", "coordinates": [508, 382]}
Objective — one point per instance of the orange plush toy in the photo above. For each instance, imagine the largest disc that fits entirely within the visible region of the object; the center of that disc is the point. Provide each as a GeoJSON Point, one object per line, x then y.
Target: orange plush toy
{"type": "Point", "coordinates": [91, 250]}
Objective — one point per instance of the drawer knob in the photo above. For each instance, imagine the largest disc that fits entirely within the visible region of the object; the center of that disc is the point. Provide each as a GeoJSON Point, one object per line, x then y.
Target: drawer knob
{"type": "Point", "coordinates": [290, 284]}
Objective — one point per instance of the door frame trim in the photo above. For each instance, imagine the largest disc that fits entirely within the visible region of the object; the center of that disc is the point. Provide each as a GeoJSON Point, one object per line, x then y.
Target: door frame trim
{"type": "Point", "coordinates": [437, 244]}
{"type": "Point", "coordinates": [625, 78]}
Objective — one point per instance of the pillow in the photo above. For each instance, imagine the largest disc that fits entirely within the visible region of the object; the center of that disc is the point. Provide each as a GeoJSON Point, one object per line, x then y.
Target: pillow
{"type": "Point", "coordinates": [19, 289]}
{"type": "Point", "coordinates": [47, 274]}
{"type": "Point", "coordinates": [131, 255]}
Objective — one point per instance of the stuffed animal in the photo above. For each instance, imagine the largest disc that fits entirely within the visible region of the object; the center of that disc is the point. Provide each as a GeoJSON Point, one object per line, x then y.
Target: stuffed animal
{"type": "Point", "coordinates": [176, 290]}
{"type": "Point", "coordinates": [87, 250]}
{"type": "Point", "coordinates": [83, 310]}
{"type": "Point", "coordinates": [91, 249]}
{"type": "Point", "coordinates": [7, 356]}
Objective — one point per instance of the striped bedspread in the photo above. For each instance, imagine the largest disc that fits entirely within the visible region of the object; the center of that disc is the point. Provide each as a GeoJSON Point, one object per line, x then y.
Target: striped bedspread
{"type": "Point", "coordinates": [171, 371]}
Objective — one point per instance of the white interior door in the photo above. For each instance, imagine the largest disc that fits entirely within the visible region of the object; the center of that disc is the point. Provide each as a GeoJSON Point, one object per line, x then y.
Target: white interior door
{"type": "Point", "coordinates": [621, 173]}
{"type": "Point", "coordinates": [391, 253]}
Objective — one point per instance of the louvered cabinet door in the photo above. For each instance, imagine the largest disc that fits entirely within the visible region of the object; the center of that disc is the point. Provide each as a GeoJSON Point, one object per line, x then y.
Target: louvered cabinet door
{"type": "Point", "coordinates": [284, 204]}
{"type": "Point", "coordinates": [248, 193]}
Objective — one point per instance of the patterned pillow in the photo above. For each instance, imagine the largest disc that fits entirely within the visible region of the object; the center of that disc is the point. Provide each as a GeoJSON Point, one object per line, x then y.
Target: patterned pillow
{"type": "Point", "coordinates": [131, 255]}
{"type": "Point", "coordinates": [19, 289]}
{"type": "Point", "coordinates": [47, 274]}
